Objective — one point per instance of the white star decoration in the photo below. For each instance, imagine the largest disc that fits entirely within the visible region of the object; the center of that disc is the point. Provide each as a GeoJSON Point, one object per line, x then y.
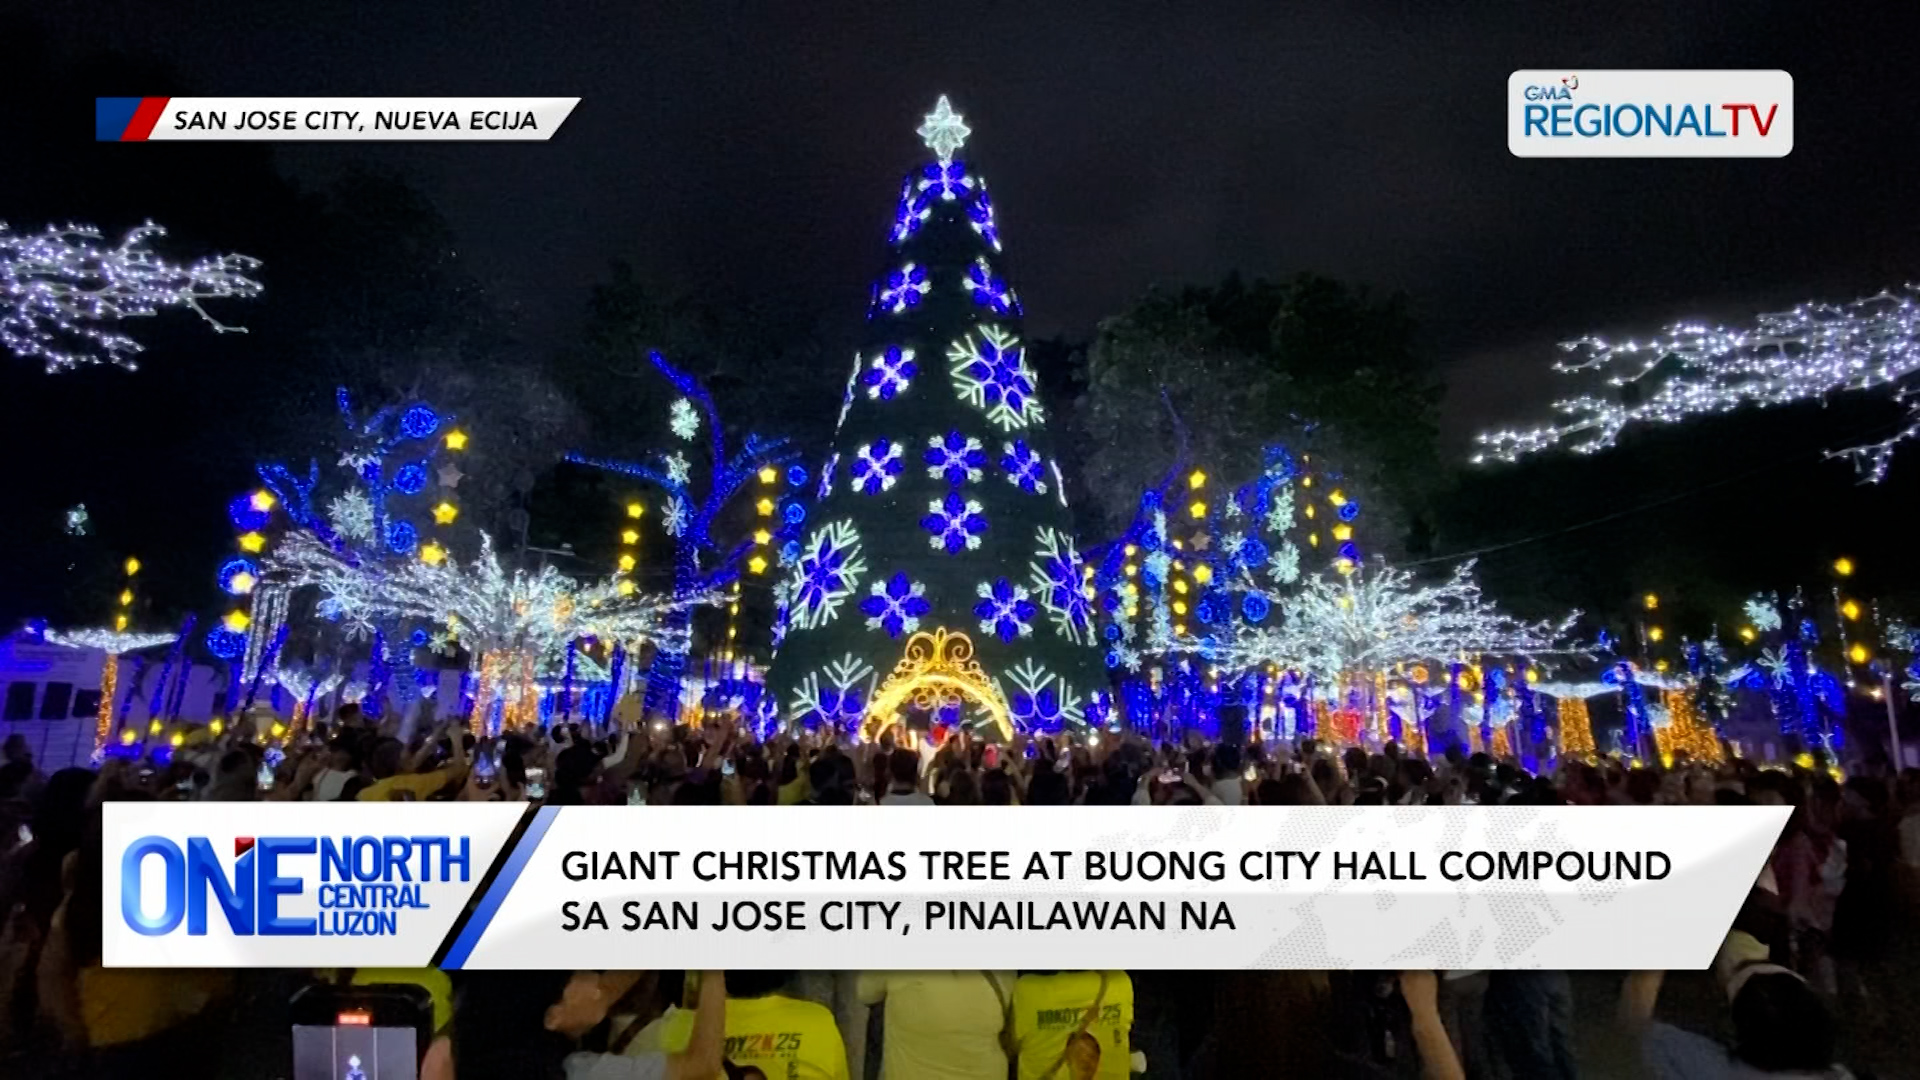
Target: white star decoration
{"type": "Point", "coordinates": [944, 130]}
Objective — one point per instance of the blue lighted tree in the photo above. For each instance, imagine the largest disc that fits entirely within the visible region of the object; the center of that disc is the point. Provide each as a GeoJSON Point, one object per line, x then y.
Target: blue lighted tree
{"type": "Point", "coordinates": [695, 499]}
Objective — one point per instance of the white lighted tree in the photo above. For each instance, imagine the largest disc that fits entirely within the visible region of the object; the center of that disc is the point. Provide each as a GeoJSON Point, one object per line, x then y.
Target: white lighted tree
{"type": "Point", "coordinates": [64, 291]}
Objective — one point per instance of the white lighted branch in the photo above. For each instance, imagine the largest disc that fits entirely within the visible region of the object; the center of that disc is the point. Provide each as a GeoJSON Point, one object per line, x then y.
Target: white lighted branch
{"type": "Point", "coordinates": [1804, 354]}
{"type": "Point", "coordinates": [64, 291]}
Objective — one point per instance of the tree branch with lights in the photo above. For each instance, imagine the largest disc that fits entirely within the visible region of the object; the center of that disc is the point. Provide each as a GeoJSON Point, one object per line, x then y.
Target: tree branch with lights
{"type": "Point", "coordinates": [65, 290]}
{"type": "Point", "coordinates": [1691, 369]}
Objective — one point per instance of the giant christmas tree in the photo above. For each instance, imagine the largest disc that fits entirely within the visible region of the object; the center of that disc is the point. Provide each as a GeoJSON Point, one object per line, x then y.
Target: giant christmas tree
{"type": "Point", "coordinates": [936, 579]}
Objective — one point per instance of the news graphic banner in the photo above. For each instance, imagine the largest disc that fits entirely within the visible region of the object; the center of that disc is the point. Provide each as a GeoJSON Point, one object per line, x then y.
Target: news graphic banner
{"type": "Point", "coordinates": [505, 886]}
{"type": "Point", "coordinates": [357, 119]}
{"type": "Point", "coordinates": [1645, 114]}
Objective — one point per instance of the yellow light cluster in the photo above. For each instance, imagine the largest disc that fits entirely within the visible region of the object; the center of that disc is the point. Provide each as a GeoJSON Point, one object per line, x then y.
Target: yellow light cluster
{"type": "Point", "coordinates": [629, 548]}
{"type": "Point", "coordinates": [1576, 727]}
{"type": "Point", "coordinates": [758, 562]}
{"type": "Point", "coordinates": [1686, 731]}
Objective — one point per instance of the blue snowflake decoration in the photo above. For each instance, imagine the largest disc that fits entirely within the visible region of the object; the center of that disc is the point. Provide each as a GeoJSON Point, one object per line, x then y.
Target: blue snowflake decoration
{"type": "Point", "coordinates": [910, 216]}
{"type": "Point", "coordinates": [1058, 576]}
{"type": "Point", "coordinates": [245, 517]}
{"type": "Point", "coordinates": [876, 467]}
{"type": "Point", "coordinates": [891, 372]}
{"type": "Point", "coordinates": [419, 638]}
{"type": "Point", "coordinates": [990, 372]}
{"type": "Point", "coordinates": [419, 422]}
{"type": "Point", "coordinates": [826, 574]}
{"type": "Point", "coordinates": [1025, 469]}
{"type": "Point", "coordinates": [990, 290]}
{"type": "Point", "coordinates": [225, 644]}
{"type": "Point", "coordinates": [895, 605]}
{"type": "Point", "coordinates": [1036, 711]}
{"type": "Point", "coordinates": [1255, 607]}
{"type": "Point", "coordinates": [955, 523]}
{"type": "Point", "coordinates": [402, 537]}
{"type": "Point", "coordinates": [234, 568]}
{"type": "Point", "coordinates": [1005, 610]}
{"type": "Point", "coordinates": [945, 182]}
{"type": "Point", "coordinates": [411, 478]}
{"type": "Point", "coordinates": [980, 213]}
{"type": "Point", "coordinates": [955, 458]}
{"type": "Point", "coordinates": [904, 288]}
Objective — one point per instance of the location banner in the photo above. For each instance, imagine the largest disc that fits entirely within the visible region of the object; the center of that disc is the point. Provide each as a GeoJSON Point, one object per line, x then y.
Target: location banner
{"type": "Point", "coordinates": [506, 886]}
{"type": "Point", "coordinates": [304, 119]}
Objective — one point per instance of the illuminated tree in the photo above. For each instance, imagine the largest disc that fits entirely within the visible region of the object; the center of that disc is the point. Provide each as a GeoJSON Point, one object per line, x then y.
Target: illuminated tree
{"type": "Point", "coordinates": [65, 291]}
{"type": "Point", "coordinates": [1691, 369]}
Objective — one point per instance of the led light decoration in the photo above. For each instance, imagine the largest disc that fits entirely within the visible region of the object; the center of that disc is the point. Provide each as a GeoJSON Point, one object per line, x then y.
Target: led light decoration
{"type": "Point", "coordinates": [683, 419]}
{"type": "Point", "coordinates": [990, 372]}
{"type": "Point", "coordinates": [944, 130]}
{"type": "Point", "coordinates": [955, 458]}
{"type": "Point", "coordinates": [990, 290]}
{"type": "Point", "coordinates": [876, 466]}
{"type": "Point", "coordinates": [1059, 579]}
{"type": "Point", "coordinates": [1023, 467]}
{"type": "Point", "coordinates": [1805, 354]}
{"type": "Point", "coordinates": [895, 605]}
{"type": "Point", "coordinates": [955, 524]}
{"type": "Point", "coordinates": [1005, 610]}
{"type": "Point", "coordinates": [890, 373]}
{"type": "Point", "coordinates": [903, 289]}
{"type": "Point", "coordinates": [829, 569]}
{"type": "Point", "coordinates": [65, 292]}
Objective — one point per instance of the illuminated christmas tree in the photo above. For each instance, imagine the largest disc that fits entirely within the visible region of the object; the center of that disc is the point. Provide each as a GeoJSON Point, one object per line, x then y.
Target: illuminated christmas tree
{"type": "Point", "coordinates": [936, 578]}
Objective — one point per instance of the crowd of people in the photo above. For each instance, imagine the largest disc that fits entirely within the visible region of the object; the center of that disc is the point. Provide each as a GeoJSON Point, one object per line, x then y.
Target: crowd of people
{"type": "Point", "coordinates": [1811, 942]}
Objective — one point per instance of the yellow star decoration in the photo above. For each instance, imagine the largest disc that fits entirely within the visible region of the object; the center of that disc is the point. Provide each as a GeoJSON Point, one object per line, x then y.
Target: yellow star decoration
{"type": "Point", "coordinates": [252, 542]}
{"type": "Point", "coordinates": [456, 439]}
{"type": "Point", "coordinates": [433, 554]}
{"type": "Point", "coordinates": [236, 621]}
{"type": "Point", "coordinates": [445, 513]}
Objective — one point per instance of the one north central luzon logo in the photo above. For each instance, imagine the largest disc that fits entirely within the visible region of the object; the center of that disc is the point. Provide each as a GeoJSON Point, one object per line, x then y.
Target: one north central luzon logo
{"type": "Point", "coordinates": [366, 883]}
{"type": "Point", "coordinates": [1561, 110]}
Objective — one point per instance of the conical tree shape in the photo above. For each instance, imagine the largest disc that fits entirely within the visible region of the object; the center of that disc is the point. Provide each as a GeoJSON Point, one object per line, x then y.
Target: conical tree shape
{"type": "Point", "coordinates": [936, 577]}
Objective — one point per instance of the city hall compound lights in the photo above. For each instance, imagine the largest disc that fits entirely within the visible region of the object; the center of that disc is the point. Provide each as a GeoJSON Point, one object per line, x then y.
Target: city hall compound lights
{"type": "Point", "coordinates": [1808, 353]}
{"type": "Point", "coordinates": [64, 292]}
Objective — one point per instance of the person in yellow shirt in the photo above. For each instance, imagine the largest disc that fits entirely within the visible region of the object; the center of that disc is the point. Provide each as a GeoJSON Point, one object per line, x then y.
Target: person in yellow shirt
{"type": "Point", "coordinates": [394, 777]}
{"type": "Point", "coordinates": [1073, 1025]}
{"type": "Point", "coordinates": [941, 1025]}
{"type": "Point", "coordinates": [770, 1036]}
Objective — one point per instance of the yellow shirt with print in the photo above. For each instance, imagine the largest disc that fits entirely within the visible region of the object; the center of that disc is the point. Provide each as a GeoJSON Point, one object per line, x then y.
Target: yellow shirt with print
{"type": "Point", "coordinates": [784, 1038]}
{"type": "Point", "coordinates": [1049, 1008]}
{"type": "Point", "coordinates": [418, 785]}
{"type": "Point", "coordinates": [940, 1025]}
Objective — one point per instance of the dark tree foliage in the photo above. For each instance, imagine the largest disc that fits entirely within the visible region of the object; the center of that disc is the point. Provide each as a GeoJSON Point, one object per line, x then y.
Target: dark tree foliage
{"type": "Point", "coordinates": [1225, 370]}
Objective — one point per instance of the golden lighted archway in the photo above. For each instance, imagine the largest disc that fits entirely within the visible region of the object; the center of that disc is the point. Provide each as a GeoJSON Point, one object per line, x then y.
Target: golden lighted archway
{"type": "Point", "coordinates": [936, 668]}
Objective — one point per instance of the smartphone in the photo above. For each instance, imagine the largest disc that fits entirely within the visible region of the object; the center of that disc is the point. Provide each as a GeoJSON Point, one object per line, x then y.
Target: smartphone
{"type": "Point", "coordinates": [360, 1032]}
{"type": "Point", "coordinates": [726, 767]}
{"type": "Point", "coordinates": [536, 783]}
{"type": "Point", "coordinates": [1170, 776]}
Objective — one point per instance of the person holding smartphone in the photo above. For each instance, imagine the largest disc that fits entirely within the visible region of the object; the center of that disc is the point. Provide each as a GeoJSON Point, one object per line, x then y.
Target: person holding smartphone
{"type": "Point", "coordinates": [496, 1039]}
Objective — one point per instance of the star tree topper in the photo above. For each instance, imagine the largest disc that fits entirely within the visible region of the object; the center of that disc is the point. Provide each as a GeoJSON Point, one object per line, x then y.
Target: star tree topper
{"type": "Point", "coordinates": [944, 130]}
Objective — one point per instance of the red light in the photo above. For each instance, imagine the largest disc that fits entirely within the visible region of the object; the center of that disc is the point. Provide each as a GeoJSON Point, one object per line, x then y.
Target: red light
{"type": "Point", "coordinates": [355, 1019]}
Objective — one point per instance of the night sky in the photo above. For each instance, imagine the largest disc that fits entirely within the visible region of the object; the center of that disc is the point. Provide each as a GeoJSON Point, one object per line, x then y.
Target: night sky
{"type": "Point", "coordinates": [750, 149]}
{"type": "Point", "coordinates": [750, 152]}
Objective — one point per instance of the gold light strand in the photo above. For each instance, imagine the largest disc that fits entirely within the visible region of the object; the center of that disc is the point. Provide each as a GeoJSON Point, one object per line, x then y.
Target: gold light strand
{"type": "Point", "coordinates": [1576, 728]}
{"type": "Point", "coordinates": [761, 556]}
{"type": "Point", "coordinates": [629, 559]}
{"type": "Point", "coordinates": [1686, 731]}
{"type": "Point", "coordinates": [110, 668]}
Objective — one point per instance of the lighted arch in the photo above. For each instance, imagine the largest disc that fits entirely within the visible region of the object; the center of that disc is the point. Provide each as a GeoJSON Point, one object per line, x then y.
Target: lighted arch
{"type": "Point", "coordinates": [935, 669]}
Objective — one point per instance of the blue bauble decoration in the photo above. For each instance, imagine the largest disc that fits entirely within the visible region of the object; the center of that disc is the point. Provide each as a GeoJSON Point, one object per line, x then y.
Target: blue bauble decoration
{"type": "Point", "coordinates": [402, 537]}
{"type": "Point", "coordinates": [419, 637]}
{"type": "Point", "coordinates": [245, 517]}
{"type": "Point", "coordinates": [419, 422]}
{"type": "Point", "coordinates": [411, 478]}
{"type": "Point", "coordinates": [794, 513]}
{"type": "Point", "coordinates": [797, 475]}
{"type": "Point", "coordinates": [1255, 607]}
{"type": "Point", "coordinates": [233, 568]}
{"type": "Point", "coordinates": [225, 644]}
{"type": "Point", "coordinates": [1349, 511]}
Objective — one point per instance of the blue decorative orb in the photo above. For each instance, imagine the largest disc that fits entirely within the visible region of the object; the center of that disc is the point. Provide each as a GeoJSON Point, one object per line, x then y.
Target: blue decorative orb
{"type": "Point", "coordinates": [419, 637]}
{"type": "Point", "coordinates": [411, 478]}
{"type": "Point", "coordinates": [794, 513]}
{"type": "Point", "coordinates": [245, 517]}
{"type": "Point", "coordinates": [1349, 511]}
{"type": "Point", "coordinates": [1349, 551]}
{"type": "Point", "coordinates": [402, 537]}
{"type": "Point", "coordinates": [233, 569]}
{"type": "Point", "coordinates": [1113, 658]}
{"type": "Point", "coordinates": [419, 422]}
{"type": "Point", "coordinates": [1252, 553]}
{"type": "Point", "coordinates": [225, 644]}
{"type": "Point", "coordinates": [1111, 632]}
{"type": "Point", "coordinates": [790, 551]}
{"type": "Point", "coordinates": [797, 475]}
{"type": "Point", "coordinates": [1207, 611]}
{"type": "Point", "coordinates": [1255, 607]}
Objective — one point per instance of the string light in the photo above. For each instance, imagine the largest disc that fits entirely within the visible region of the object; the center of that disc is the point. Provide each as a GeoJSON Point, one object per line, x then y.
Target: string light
{"type": "Point", "coordinates": [1843, 566]}
{"type": "Point", "coordinates": [1576, 727]}
{"type": "Point", "coordinates": [1686, 731]}
{"type": "Point", "coordinates": [1806, 354]}
{"type": "Point", "coordinates": [64, 285]}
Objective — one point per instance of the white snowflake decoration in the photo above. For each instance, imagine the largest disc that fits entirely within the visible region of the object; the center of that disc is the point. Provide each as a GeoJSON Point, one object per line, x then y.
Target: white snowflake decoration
{"type": "Point", "coordinates": [678, 468]}
{"type": "Point", "coordinates": [1041, 700]}
{"type": "Point", "coordinates": [684, 419]}
{"type": "Point", "coordinates": [905, 288]}
{"type": "Point", "coordinates": [1059, 580]}
{"type": "Point", "coordinates": [944, 130]}
{"type": "Point", "coordinates": [955, 458]}
{"type": "Point", "coordinates": [1280, 510]}
{"type": "Point", "coordinates": [890, 373]}
{"type": "Point", "coordinates": [837, 693]}
{"type": "Point", "coordinates": [877, 467]}
{"type": "Point", "coordinates": [1284, 565]}
{"type": "Point", "coordinates": [990, 372]}
{"type": "Point", "coordinates": [674, 520]}
{"type": "Point", "coordinates": [829, 569]}
{"type": "Point", "coordinates": [351, 515]}
{"type": "Point", "coordinates": [896, 605]}
{"type": "Point", "coordinates": [1763, 613]}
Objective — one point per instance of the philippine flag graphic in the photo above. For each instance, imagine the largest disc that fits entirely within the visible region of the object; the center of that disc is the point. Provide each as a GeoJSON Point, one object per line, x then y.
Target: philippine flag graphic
{"type": "Point", "coordinates": [126, 119]}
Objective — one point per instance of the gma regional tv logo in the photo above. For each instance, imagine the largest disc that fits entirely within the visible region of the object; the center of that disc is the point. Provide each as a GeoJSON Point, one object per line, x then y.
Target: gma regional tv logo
{"type": "Point", "coordinates": [1623, 113]}
{"type": "Point", "coordinates": [285, 886]}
